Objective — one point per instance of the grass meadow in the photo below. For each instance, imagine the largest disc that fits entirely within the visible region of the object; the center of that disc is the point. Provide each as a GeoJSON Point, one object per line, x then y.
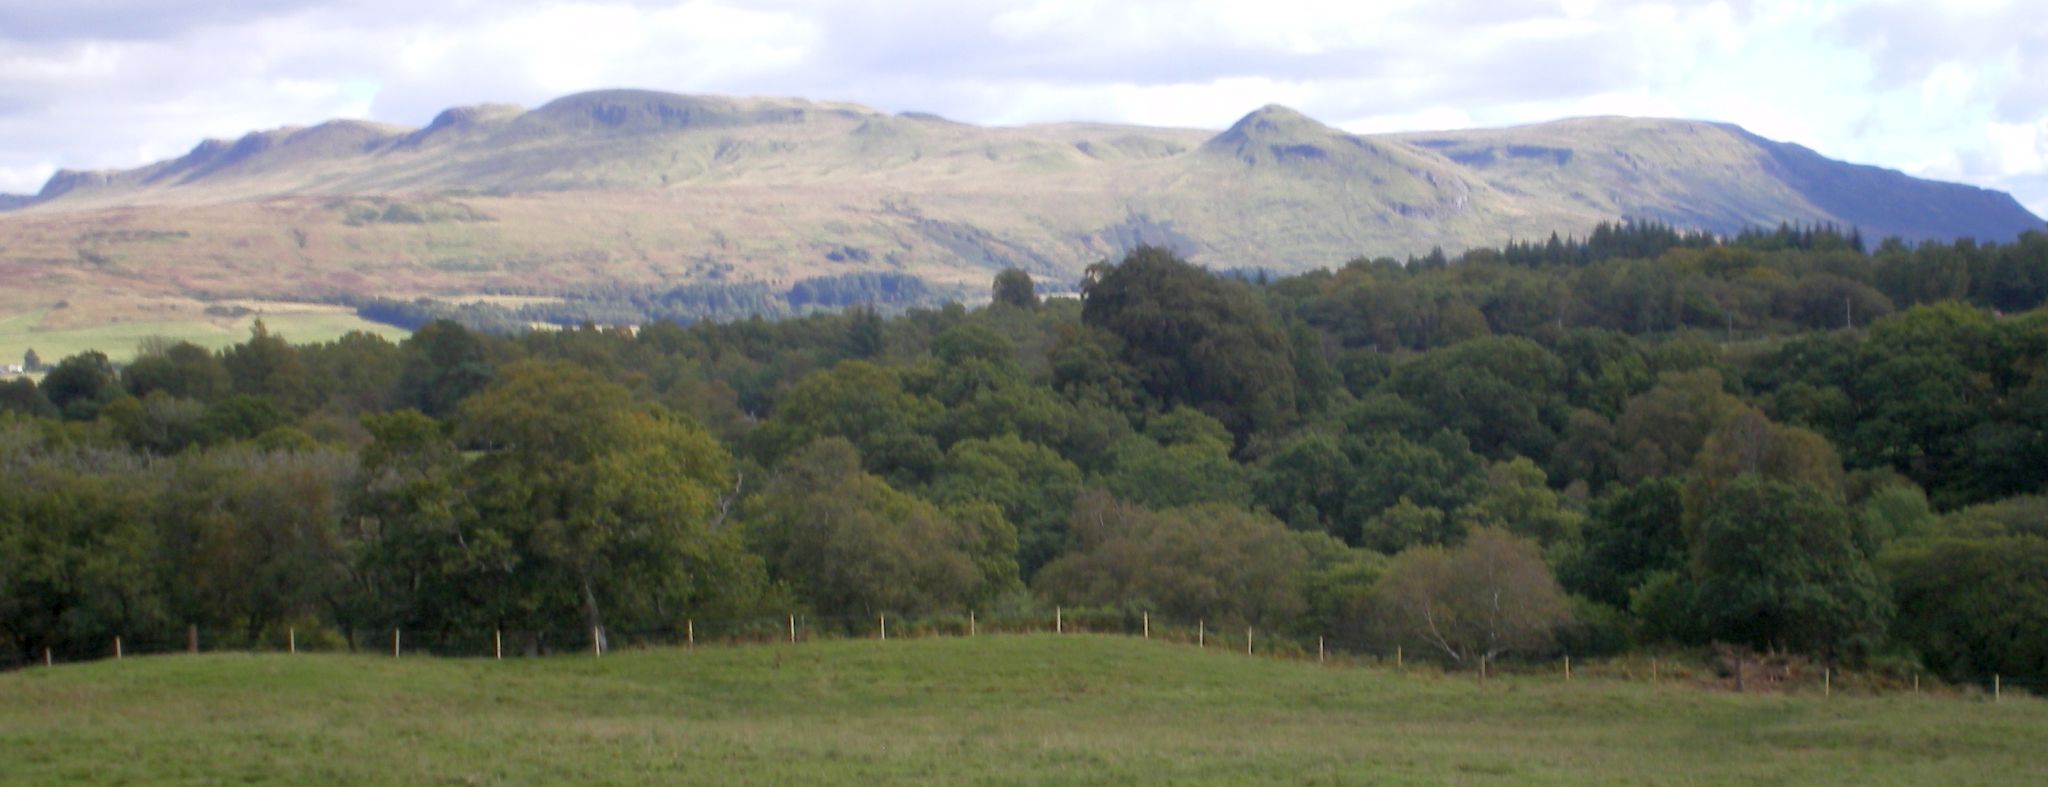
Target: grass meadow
{"type": "Point", "coordinates": [20, 333]}
{"type": "Point", "coordinates": [1004, 709]}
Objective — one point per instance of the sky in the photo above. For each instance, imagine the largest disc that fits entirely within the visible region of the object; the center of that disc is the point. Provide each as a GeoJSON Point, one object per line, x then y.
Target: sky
{"type": "Point", "coordinates": [1955, 90]}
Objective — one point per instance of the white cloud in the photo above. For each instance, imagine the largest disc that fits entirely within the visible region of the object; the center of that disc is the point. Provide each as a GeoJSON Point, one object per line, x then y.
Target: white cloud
{"type": "Point", "coordinates": [1429, 118]}
{"type": "Point", "coordinates": [2020, 147]}
{"type": "Point", "coordinates": [16, 180]}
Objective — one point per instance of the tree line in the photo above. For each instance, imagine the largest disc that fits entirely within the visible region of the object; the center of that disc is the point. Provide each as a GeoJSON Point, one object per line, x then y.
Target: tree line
{"type": "Point", "coordinates": [631, 304]}
{"type": "Point", "coordinates": [1497, 455]}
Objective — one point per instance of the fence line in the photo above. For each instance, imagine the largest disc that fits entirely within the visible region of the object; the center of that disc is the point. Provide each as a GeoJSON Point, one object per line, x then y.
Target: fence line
{"type": "Point", "coordinates": [800, 627]}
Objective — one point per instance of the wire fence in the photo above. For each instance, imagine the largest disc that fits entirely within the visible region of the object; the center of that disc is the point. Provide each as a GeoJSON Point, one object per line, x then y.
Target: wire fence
{"type": "Point", "coordinates": [1725, 669]}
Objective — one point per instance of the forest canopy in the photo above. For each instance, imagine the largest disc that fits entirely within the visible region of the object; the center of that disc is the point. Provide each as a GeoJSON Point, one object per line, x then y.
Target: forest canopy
{"type": "Point", "coordinates": [1782, 441]}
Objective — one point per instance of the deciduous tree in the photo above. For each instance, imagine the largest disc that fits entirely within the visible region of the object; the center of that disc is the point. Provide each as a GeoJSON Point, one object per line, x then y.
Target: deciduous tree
{"type": "Point", "coordinates": [1490, 596]}
{"type": "Point", "coordinates": [1013, 287]}
{"type": "Point", "coordinates": [1194, 338]}
{"type": "Point", "coordinates": [1208, 561]}
{"type": "Point", "coordinates": [851, 545]}
{"type": "Point", "coordinates": [1776, 565]}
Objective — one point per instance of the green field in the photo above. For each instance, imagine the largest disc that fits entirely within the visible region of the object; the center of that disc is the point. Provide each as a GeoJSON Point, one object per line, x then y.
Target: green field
{"type": "Point", "coordinates": [18, 333]}
{"type": "Point", "coordinates": [993, 709]}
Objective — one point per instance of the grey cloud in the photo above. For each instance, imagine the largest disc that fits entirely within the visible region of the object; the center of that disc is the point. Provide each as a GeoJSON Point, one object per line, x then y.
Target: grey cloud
{"type": "Point", "coordinates": [961, 41]}
{"type": "Point", "coordinates": [1907, 43]}
{"type": "Point", "coordinates": [894, 60]}
{"type": "Point", "coordinates": [131, 20]}
{"type": "Point", "coordinates": [50, 21]}
{"type": "Point", "coordinates": [146, 20]}
{"type": "Point", "coordinates": [2026, 99]}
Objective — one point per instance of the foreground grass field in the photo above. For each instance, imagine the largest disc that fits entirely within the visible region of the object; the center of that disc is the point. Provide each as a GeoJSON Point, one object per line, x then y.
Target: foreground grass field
{"type": "Point", "coordinates": [994, 709]}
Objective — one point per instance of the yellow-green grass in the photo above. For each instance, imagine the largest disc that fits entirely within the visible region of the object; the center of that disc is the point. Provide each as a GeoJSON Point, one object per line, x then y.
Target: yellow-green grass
{"type": "Point", "coordinates": [19, 333]}
{"type": "Point", "coordinates": [989, 710]}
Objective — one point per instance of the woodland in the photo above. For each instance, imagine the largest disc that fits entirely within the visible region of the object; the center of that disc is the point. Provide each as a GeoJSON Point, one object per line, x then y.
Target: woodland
{"type": "Point", "coordinates": [1783, 441]}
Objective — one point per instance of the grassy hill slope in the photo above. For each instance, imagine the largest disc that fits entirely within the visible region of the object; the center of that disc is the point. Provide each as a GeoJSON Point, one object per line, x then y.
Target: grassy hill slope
{"type": "Point", "coordinates": [1718, 177]}
{"type": "Point", "coordinates": [648, 189]}
{"type": "Point", "coordinates": [999, 709]}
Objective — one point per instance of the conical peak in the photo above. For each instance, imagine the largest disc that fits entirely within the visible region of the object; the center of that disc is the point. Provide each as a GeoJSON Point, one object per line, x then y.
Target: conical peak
{"type": "Point", "coordinates": [1273, 120]}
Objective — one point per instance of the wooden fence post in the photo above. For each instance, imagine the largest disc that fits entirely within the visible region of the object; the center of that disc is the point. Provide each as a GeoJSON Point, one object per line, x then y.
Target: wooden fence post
{"type": "Point", "coordinates": [498, 644]}
{"type": "Point", "coordinates": [1247, 640]}
{"type": "Point", "coordinates": [1059, 620]}
{"type": "Point", "coordinates": [1201, 634]}
{"type": "Point", "coordinates": [46, 657]}
{"type": "Point", "coordinates": [1397, 657]}
{"type": "Point", "coordinates": [1319, 650]}
{"type": "Point", "coordinates": [596, 642]}
{"type": "Point", "coordinates": [1997, 685]}
{"type": "Point", "coordinates": [292, 640]}
{"type": "Point", "coordinates": [690, 631]}
{"type": "Point", "coordinates": [394, 643]}
{"type": "Point", "coordinates": [970, 623]}
{"type": "Point", "coordinates": [1567, 669]}
{"type": "Point", "coordinates": [885, 627]}
{"type": "Point", "coordinates": [1827, 682]}
{"type": "Point", "coordinates": [792, 628]}
{"type": "Point", "coordinates": [192, 638]}
{"type": "Point", "coordinates": [1148, 625]}
{"type": "Point", "coordinates": [117, 648]}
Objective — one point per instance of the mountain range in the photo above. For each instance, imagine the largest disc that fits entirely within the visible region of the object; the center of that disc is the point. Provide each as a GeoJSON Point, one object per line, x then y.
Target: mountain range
{"type": "Point", "coordinates": [643, 188]}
